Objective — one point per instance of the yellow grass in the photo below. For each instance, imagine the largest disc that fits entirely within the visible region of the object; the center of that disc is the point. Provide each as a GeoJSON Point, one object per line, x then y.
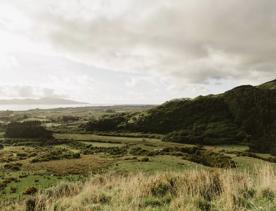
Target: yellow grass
{"type": "Point", "coordinates": [223, 190]}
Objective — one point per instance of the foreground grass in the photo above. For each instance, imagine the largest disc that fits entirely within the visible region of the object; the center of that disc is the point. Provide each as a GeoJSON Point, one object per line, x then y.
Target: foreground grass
{"type": "Point", "coordinates": [196, 189]}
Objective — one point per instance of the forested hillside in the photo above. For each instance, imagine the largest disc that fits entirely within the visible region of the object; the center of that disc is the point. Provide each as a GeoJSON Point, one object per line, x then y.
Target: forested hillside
{"type": "Point", "coordinates": [245, 114]}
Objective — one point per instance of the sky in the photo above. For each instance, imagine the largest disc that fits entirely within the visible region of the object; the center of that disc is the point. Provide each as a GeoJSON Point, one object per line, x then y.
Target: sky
{"type": "Point", "coordinates": [134, 51]}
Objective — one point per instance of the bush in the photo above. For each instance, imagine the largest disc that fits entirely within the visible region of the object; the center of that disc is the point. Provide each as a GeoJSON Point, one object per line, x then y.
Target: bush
{"type": "Point", "coordinates": [268, 194]}
{"type": "Point", "coordinates": [211, 159]}
{"type": "Point", "coordinates": [108, 122]}
{"type": "Point", "coordinates": [204, 205]}
{"type": "Point", "coordinates": [30, 204]}
{"type": "Point", "coordinates": [162, 187]}
{"type": "Point", "coordinates": [138, 151]}
{"type": "Point", "coordinates": [30, 191]}
{"type": "Point", "coordinates": [31, 129]}
{"type": "Point", "coordinates": [13, 189]}
{"type": "Point", "coordinates": [145, 159]}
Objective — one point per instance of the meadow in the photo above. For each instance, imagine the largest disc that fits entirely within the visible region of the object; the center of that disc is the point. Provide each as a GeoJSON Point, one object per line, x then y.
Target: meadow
{"type": "Point", "coordinates": [82, 170]}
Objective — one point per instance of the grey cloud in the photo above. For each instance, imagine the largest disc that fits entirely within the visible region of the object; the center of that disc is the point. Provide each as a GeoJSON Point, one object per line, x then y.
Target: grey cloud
{"type": "Point", "coordinates": [186, 41]}
{"type": "Point", "coordinates": [24, 91]}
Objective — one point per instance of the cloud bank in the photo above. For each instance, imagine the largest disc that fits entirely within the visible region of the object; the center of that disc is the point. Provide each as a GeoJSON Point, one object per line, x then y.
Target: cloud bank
{"type": "Point", "coordinates": [180, 43]}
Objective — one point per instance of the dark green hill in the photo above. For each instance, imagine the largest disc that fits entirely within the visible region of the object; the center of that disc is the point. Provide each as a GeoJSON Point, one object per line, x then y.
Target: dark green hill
{"type": "Point", "coordinates": [269, 85]}
{"type": "Point", "coordinates": [244, 114]}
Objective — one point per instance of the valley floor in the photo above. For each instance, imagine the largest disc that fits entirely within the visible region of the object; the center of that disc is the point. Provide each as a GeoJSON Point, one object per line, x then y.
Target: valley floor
{"type": "Point", "coordinates": [97, 172]}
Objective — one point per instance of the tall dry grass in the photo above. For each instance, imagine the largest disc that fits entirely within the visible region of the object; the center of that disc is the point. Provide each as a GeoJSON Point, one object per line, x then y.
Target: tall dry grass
{"type": "Point", "coordinates": [221, 190]}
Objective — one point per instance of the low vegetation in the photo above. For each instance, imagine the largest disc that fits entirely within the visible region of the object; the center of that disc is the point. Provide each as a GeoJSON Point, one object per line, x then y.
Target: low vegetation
{"type": "Point", "coordinates": [189, 190]}
{"type": "Point", "coordinates": [55, 154]}
{"type": "Point", "coordinates": [30, 129]}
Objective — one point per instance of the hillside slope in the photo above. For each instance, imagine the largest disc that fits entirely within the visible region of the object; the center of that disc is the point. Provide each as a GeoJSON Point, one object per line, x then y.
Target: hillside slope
{"type": "Point", "coordinates": [244, 114]}
{"type": "Point", "coordinates": [269, 85]}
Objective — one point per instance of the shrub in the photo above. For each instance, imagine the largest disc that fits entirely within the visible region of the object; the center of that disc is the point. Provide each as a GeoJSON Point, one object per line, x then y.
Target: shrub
{"type": "Point", "coordinates": [138, 151]}
{"type": "Point", "coordinates": [213, 188]}
{"type": "Point", "coordinates": [163, 186]}
{"type": "Point", "coordinates": [204, 205]}
{"type": "Point", "coordinates": [268, 194]}
{"type": "Point", "coordinates": [32, 129]}
{"type": "Point", "coordinates": [30, 204]}
{"type": "Point", "coordinates": [152, 202]}
{"type": "Point", "coordinates": [108, 122]}
{"type": "Point", "coordinates": [211, 159]}
{"type": "Point", "coordinates": [145, 159]}
{"type": "Point", "coordinates": [30, 191]}
{"type": "Point", "coordinates": [13, 189]}
{"type": "Point", "coordinates": [101, 198]}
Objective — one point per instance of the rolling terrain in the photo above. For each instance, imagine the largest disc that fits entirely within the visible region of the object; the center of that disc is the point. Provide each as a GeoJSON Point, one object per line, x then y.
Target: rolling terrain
{"type": "Point", "coordinates": [213, 152]}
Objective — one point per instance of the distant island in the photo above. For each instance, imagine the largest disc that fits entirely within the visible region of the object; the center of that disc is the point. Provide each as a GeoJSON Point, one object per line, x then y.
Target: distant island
{"type": "Point", "coordinates": [40, 101]}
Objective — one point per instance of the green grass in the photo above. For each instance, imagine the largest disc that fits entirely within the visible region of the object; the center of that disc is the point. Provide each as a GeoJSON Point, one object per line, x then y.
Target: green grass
{"type": "Point", "coordinates": [38, 181]}
{"type": "Point", "coordinates": [111, 139]}
{"type": "Point", "coordinates": [42, 175]}
{"type": "Point", "coordinates": [155, 164]}
{"type": "Point", "coordinates": [29, 181]}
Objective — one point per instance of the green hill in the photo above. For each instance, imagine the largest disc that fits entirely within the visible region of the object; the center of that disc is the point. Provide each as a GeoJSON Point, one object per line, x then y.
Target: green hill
{"type": "Point", "coordinates": [245, 114]}
{"type": "Point", "coordinates": [269, 85]}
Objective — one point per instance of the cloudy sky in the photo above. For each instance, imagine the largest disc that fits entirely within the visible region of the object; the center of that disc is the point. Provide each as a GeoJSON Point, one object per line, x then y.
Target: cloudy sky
{"type": "Point", "coordinates": [134, 51]}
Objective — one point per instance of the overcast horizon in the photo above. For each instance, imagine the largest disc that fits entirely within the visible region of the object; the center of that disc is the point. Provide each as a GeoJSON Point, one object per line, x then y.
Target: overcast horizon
{"type": "Point", "coordinates": [134, 51]}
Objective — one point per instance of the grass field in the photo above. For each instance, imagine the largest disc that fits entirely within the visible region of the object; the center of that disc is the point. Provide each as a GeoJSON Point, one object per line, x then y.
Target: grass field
{"type": "Point", "coordinates": [190, 189]}
{"type": "Point", "coordinates": [113, 171]}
